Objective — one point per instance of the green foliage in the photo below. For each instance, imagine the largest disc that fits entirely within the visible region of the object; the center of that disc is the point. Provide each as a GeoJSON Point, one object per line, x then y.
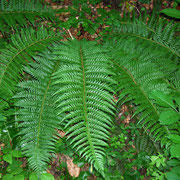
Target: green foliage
{"type": "Point", "coordinates": [174, 13]}
{"type": "Point", "coordinates": [14, 169]}
{"type": "Point", "coordinates": [174, 174]}
{"type": "Point", "coordinates": [155, 167]}
{"type": "Point", "coordinates": [78, 17]}
{"type": "Point", "coordinates": [14, 56]}
{"type": "Point", "coordinates": [170, 117]}
{"type": "Point", "coordinates": [122, 160]}
{"type": "Point", "coordinates": [84, 84]}
{"type": "Point", "coordinates": [171, 12]}
{"type": "Point", "coordinates": [14, 11]}
{"type": "Point", "coordinates": [49, 85]}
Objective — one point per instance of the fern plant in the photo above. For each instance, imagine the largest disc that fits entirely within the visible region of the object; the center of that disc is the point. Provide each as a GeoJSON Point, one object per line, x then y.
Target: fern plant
{"type": "Point", "coordinates": [15, 11]}
{"type": "Point", "coordinates": [38, 115]}
{"type": "Point", "coordinates": [137, 80]}
{"type": "Point", "coordinates": [24, 45]}
{"type": "Point", "coordinates": [76, 96]}
{"type": "Point", "coordinates": [86, 95]}
{"type": "Point", "coordinates": [70, 85]}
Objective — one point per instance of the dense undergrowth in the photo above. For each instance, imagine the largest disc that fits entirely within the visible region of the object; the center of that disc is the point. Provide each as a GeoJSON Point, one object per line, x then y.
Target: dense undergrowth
{"type": "Point", "coordinates": [87, 92]}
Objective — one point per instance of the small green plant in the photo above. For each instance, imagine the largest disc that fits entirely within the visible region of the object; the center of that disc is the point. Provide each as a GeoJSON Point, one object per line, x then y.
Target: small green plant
{"type": "Point", "coordinates": [156, 167]}
{"type": "Point", "coordinates": [170, 116]}
{"type": "Point", "coordinates": [13, 169]}
{"type": "Point", "coordinates": [118, 141]}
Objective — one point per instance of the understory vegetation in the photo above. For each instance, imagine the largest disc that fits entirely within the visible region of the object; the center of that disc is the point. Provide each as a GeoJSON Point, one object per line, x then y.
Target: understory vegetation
{"type": "Point", "coordinates": [89, 90]}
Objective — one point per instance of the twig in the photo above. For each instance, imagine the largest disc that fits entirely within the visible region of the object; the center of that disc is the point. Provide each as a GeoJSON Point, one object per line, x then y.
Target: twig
{"type": "Point", "coordinates": [70, 34]}
{"type": "Point", "coordinates": [137, 10]}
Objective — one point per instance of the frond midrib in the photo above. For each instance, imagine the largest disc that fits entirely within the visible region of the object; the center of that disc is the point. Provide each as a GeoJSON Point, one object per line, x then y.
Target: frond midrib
{"type": "Point", "coordinates": [85, 105]}
{"type": "Point", "coordinates": [43, 102]}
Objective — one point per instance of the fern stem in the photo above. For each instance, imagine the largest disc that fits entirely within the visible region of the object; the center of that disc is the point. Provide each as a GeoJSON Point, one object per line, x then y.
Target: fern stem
{"type": "Point", "coordinates": [41, 112]}
{"type": "Point", "coordinates": [85, 106]}
{"type": "Point", "coordinates": [43, 102]}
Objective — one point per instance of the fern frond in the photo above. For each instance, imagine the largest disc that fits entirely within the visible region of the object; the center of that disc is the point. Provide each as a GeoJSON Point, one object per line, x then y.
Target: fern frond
{"type": "Point", "coordinates": [37, 116]}
{"type": "Point", "coordinates": [19, 11]}
{"type": "Point", "coordinates": [157, 38]}
{"type": "Point", "coordinates": [175, 78]}
{"type": "Point", "coordinates": [137, 77]}
{"type": "Point", "coordinates": [85, 97]}
{"type": "Point", "coordinates": [24, 46]}
{"type": "Point", "coordinates": [154, 32]}
{"type": "Point", "coordinates": [144, 142]}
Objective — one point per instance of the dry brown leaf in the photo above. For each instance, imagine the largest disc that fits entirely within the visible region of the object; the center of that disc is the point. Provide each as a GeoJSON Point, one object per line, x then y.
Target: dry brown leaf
{"type": "Point", "coordinates": [2, 145]}
{"type": "Point", "coordinates": [73, 169]}
{"type": "Point", "coordinates": [146, 6]}
{"type": "Point", "coordinates": [61, 133]}
{"type": "Point", "coordinates": [54, 6]}
{"type": "Point", "coordinates": [124, 108]}
{"type": "Point", "coordinates": [24, 164]}
{"type": "Point", "coordinates": [127, 120]}
{"type": "Point", "coordinates": [47, 1]}
{"type": "Point", "coordinates": [115, 99]}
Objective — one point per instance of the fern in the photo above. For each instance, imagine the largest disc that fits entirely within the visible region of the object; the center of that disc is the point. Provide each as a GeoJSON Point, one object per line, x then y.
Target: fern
{"type": "Point", "coordinates": [137, 77]}
{"type": "Point", "coordinates": [175, 79]}
{"type": "Point", "coordinates": [152, 35]}
{"type": "Point", "coordinates": [144, 143]}
{"type": "Point", "coordinates": [79, 96]}
{"type": "Point", "coordinates": [17, 11]}
{"type": "Point", "coordinates": [84, 92]}
{"type": "Point", "coordinates": [38, 115]}
{"type": "Point", "coordinates": [23, 47]}
{"type": "Point", "coordinates": [154, 32]}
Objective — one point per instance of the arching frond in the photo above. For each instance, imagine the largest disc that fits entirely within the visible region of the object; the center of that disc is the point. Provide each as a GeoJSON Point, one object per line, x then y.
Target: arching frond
{"type": "Point", "coordinates": [85, 96]}
{"type": "Point", "coordinates": [144, 143]}
{"type": "Point", "coordinates": [25, 45]}
{"type": "Point", "coordinates": [19, 11]}
{"type": "Point", "coordinates": [37, 115]}
{"type": "Point", "coordinates": [150, 32]}
{"type": "Point", "coordinates": [153, 36]}
{"type": "Point", "coordinates": [137, 76]}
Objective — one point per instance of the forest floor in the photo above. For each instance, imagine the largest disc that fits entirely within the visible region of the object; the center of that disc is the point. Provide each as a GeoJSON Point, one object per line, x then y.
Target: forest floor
{"type": "Point", "coordinates": [126, 6]}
